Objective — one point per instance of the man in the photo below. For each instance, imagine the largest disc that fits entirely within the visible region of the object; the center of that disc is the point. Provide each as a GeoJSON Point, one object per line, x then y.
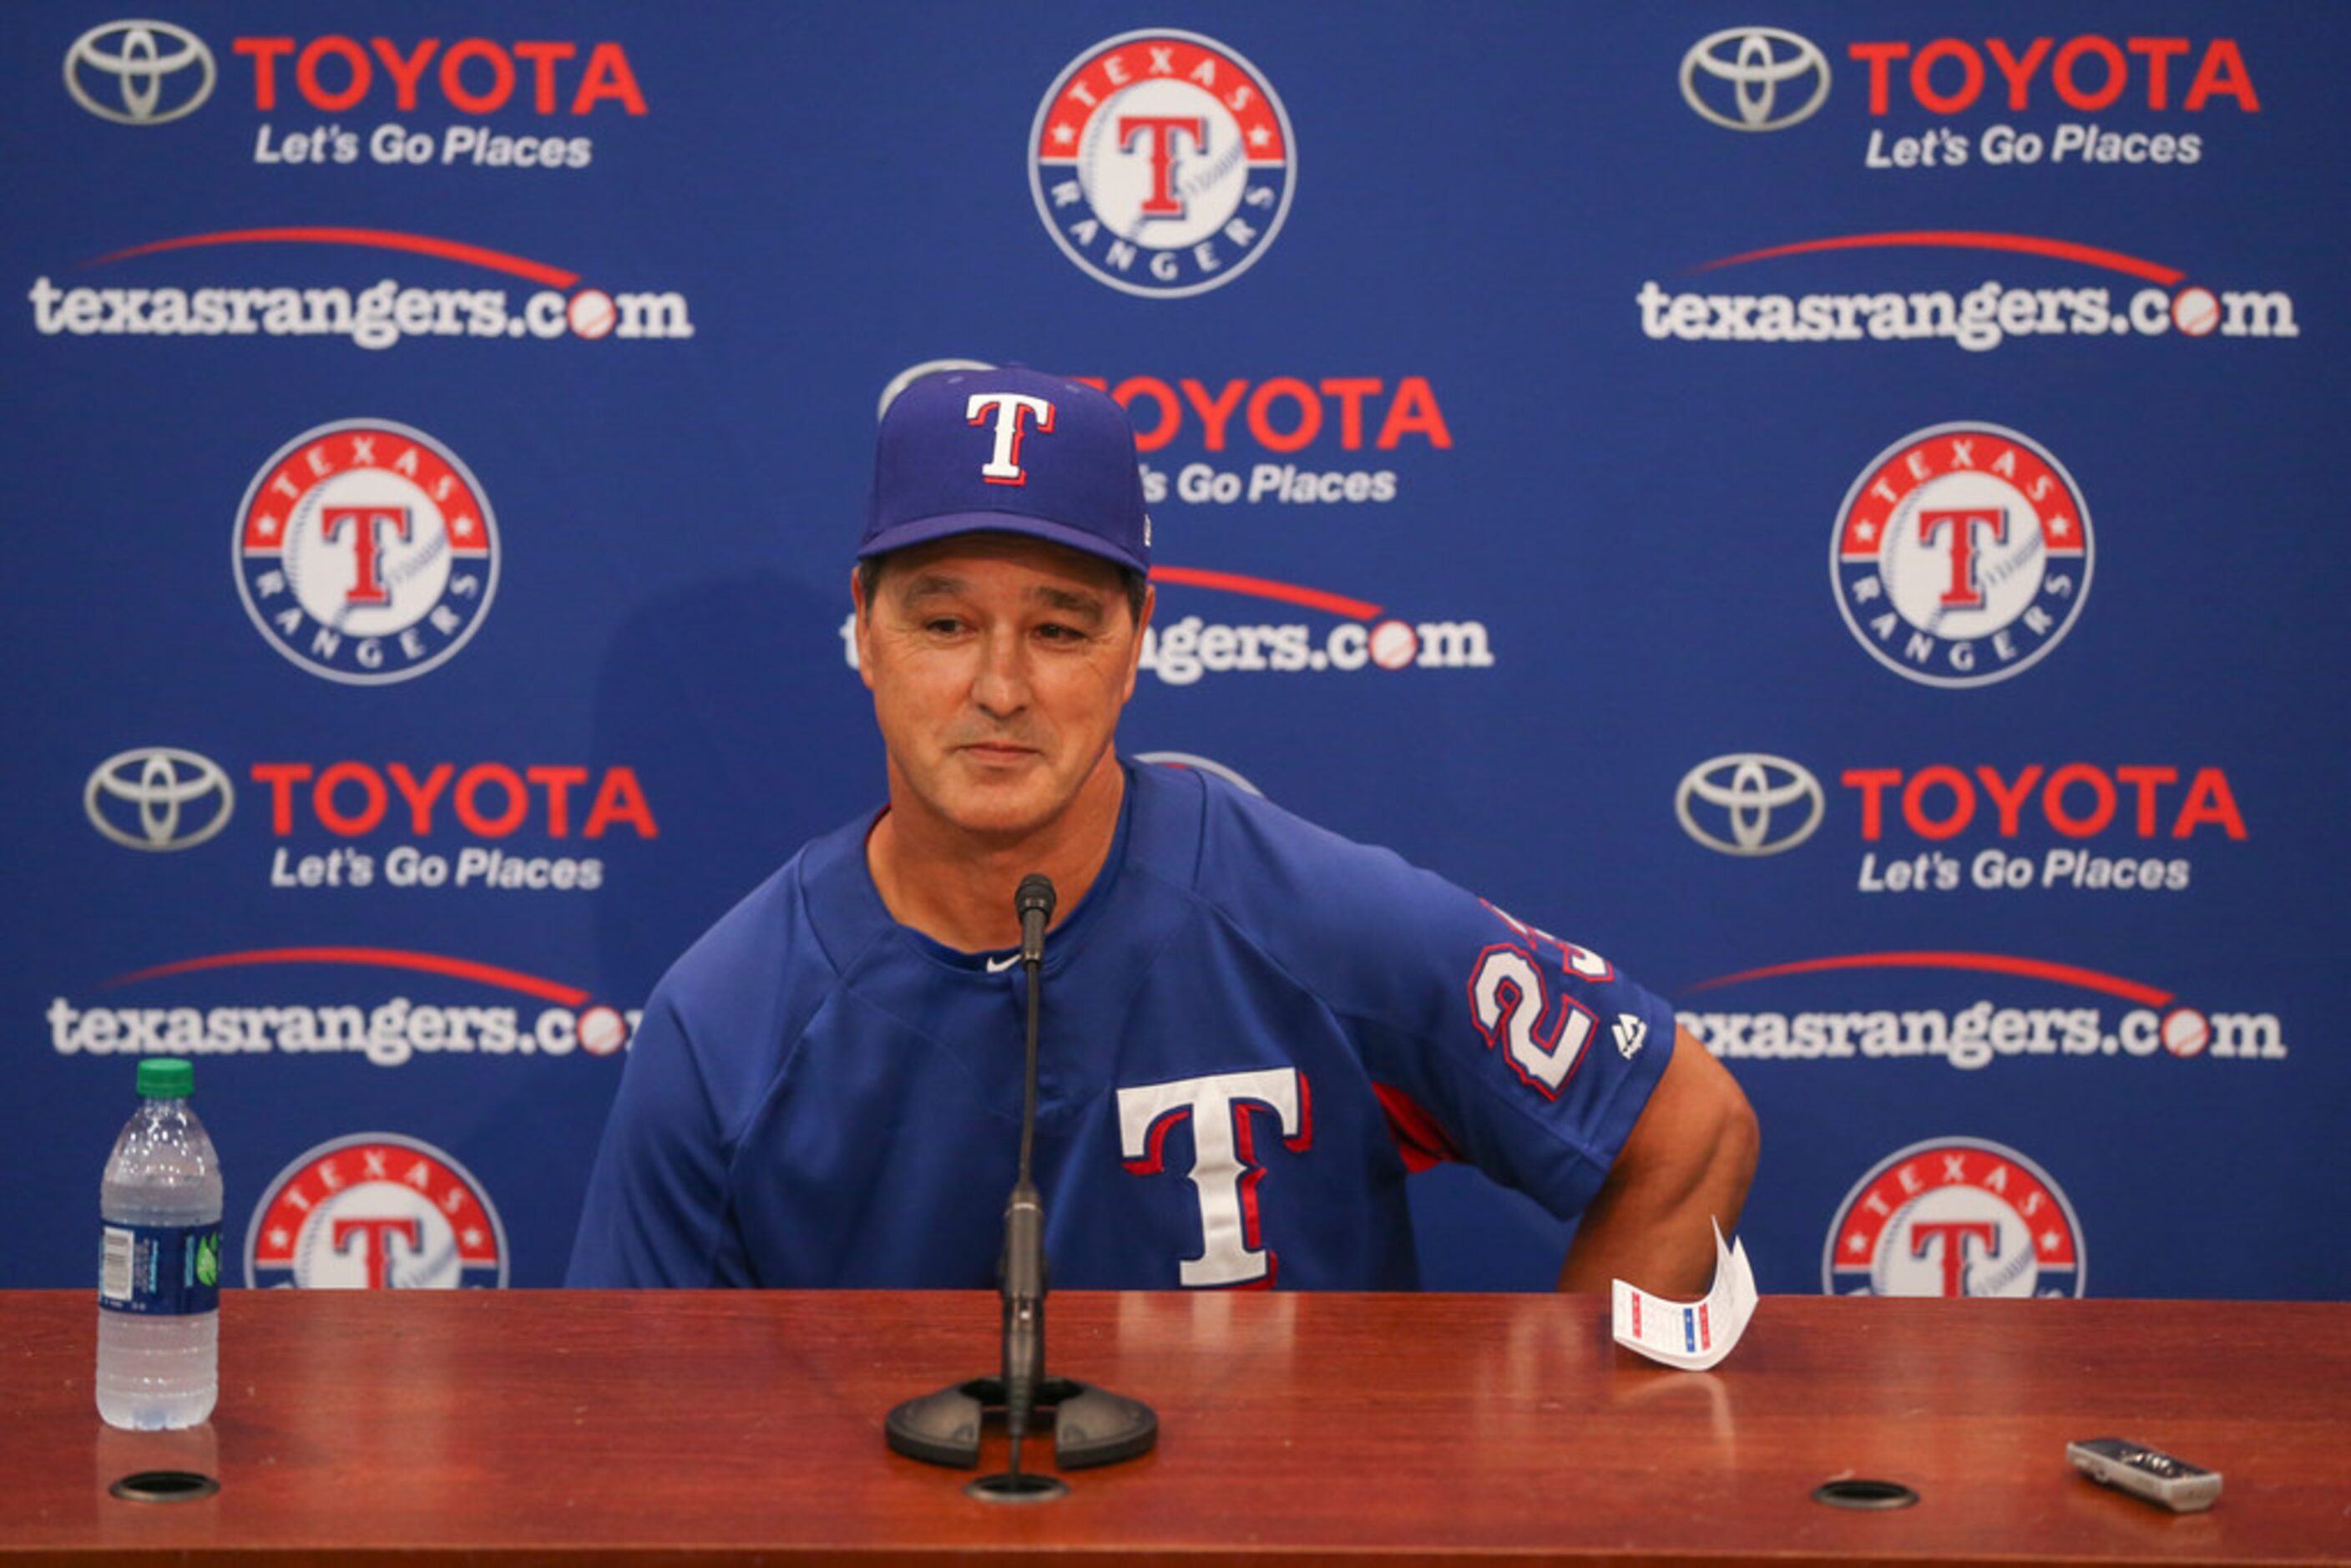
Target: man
{"type": "Point", "coordinates": [1252, 1029]}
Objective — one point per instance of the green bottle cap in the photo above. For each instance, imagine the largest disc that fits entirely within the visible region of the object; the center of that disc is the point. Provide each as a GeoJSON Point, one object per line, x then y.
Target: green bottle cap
{"type": "Point", "coordinates": [166, 1078]}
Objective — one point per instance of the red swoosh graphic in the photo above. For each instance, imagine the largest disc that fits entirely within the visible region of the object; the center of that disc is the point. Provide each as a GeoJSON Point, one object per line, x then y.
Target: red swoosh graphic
{"type": "Point", "coordinates": [1988, 963]}
{"type": "Point", "coordinates": [1967, 239]}
{"type": "Point", "coordinates": [371, 957]}
{"type": "Point", "coordinates": [1266, 588]}
{"type": "Point", "coordinates": [377, 239]}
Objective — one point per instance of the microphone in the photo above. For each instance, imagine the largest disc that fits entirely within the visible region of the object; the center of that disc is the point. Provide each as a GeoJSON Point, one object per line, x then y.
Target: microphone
{"type": "Point", "coordinates": [1091, 1425]}
{"type": "Point", "coordinates": [1034, 903]}
{"type": "Point", "coordinates": [1022, 1275]}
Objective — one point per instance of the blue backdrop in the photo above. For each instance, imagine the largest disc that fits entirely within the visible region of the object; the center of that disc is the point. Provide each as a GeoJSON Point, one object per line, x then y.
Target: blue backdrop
{"type": "Point", "coordinates": [1831, 511]}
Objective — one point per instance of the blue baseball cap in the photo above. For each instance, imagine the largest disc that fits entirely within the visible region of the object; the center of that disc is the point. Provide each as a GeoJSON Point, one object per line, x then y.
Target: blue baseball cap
{"type": "Point", "coordinates": [1008, 451]}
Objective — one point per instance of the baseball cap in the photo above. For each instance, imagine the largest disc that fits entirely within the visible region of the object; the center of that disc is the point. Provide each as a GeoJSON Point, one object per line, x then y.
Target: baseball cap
{"type": "Point", "coordinates": [1009, 450]}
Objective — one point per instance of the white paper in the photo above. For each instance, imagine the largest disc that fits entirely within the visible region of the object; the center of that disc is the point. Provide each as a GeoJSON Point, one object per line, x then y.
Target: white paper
{"type": "Point", "coordinates": [1693, 1335]}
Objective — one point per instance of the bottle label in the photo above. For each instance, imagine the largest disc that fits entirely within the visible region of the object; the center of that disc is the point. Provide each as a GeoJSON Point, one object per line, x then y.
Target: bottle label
{"type": "Point", "coordinates": [159, 1270]}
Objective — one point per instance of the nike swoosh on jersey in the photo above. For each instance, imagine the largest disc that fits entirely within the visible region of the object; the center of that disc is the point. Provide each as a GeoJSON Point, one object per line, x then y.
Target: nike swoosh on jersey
{"type": "Point", "coordinates": [998, 967]}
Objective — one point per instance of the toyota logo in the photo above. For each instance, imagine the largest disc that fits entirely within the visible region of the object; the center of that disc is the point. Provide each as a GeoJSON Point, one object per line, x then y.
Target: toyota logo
{"type": "Point", "coordinates": [1751, 59]}
{"type": "Point", "coordinates": [161, 788]}
{"type": "Point", "coordinates": [139, 57]}
{"type": "Point", "coordinates": [1750, 794]}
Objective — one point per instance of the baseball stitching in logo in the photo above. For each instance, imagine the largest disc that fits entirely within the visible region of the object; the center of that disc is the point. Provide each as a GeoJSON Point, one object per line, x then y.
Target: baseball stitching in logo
{"type": "Point", "coordinates": [375, 1211]}
{"type": "Point", "coordinates": [1162, 163]}
{"type": "Point", "coordinates": [1961, 555]}
{"type": "Point", "coordinates": [1954, 1217]}
{"type": "Point", "coordinates": [366, 551]}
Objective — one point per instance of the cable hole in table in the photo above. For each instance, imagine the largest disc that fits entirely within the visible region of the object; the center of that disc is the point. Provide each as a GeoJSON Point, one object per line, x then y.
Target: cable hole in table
{"type": "Point", "coordinates": [163, 1486]}
{"type": "Point", "coordinates": [1858, 1493]}
{"type": "Point", "coordinates": [1026, 1486]}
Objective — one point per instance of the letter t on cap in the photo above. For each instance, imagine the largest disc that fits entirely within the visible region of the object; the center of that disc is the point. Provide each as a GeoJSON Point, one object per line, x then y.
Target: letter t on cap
{"type": "Point", "coordinates": [1003, 467]}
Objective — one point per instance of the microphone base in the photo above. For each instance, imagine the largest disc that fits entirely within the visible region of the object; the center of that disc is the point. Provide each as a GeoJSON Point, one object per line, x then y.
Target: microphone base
{"type": "Point", "coordinates": [1091, 1425]}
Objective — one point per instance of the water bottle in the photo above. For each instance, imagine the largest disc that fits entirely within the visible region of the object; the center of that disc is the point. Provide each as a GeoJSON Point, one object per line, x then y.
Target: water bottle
{"type": "Point", "coordinates": [159, 1261]}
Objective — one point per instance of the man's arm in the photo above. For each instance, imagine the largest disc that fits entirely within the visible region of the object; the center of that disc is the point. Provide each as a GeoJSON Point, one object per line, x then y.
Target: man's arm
{"type": "Point", "coordinates": [1689, 1157]}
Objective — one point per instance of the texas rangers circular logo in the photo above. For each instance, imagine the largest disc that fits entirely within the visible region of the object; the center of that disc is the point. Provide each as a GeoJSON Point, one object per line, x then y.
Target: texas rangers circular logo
{"type": "Point", "coordinates": [366, 551]}
{"type": "Point", "coordinates": [1961, 555]}
{"type": "Point", "coordinates": [375, 1211]}
{"type": "Point", "coordinates": [1954, 1217]}
{"type": "Point", "coordinates": [1162, 163]}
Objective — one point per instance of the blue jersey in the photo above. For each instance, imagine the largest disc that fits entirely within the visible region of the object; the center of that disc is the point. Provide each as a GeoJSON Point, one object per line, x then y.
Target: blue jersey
{"type": "Point", "coordinates": [1253, 1030]}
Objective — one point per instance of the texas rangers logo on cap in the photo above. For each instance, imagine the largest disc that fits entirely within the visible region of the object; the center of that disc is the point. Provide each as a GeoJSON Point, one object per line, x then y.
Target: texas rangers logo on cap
{"type": "Point", "coordinates": [1961, 555]}
{"type": "Point", "coordinates": [1954, 1217]}
{"type": "Point", "coordinates": [1008, 450]}
{"type": "Point", "coordinates": [1009, 414]}
{"type": "Point", "coordinates": [366, 551]}
{"type": "Point", "coordinates": [1162, 163]}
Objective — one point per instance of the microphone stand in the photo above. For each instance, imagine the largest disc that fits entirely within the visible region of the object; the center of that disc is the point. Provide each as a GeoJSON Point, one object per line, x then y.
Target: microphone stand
{"type": "Point", "coordinates": [1091, 1425]}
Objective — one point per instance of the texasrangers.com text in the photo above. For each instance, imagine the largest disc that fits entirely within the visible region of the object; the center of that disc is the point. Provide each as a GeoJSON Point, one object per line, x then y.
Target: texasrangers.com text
{"type": "Point", "coordinates": [1983, 319]}
{"type": "Point", "coordinates": [374, 318]}
{"type": "Point", "coordinates": [1183, 650]}
{"type": "Point", "coordinates": [1972, 1036]}
{"type": "Point", "coordinates": [388, 1035]}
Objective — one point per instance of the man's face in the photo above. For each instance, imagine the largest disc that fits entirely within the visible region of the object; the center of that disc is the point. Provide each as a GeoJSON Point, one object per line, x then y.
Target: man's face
{"type": "Point", "coordinates": [998, 664]}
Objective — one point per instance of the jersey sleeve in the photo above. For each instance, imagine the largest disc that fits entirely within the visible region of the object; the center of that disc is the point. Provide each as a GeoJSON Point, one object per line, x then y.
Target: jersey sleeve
{"type": "Point", "coordinates": [1486, 1038]}
{"type": "Point", "coordinates": [656, 1211]}
{"type": "Point", "coordinates": [1519, 1052]}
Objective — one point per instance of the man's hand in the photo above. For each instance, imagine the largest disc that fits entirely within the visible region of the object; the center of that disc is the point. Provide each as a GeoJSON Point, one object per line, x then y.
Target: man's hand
{"type": "Point", "coordinates": [1689, 1158]}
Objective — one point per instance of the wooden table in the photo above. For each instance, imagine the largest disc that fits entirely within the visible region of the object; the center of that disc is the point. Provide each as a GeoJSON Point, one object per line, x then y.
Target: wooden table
{"type": "Point", "coordinates": [590, 1427]}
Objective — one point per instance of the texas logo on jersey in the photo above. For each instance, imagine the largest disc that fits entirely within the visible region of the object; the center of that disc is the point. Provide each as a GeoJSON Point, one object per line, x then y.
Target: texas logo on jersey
{"type": "Point", "coordinates": [1162, 163]}
{"type": "Point", "coordinates": [1226, 1168]}
{"type": "Point", "coordinates": [366, 552]}
{"type": "Point", "coordinates": [1961, 555]}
